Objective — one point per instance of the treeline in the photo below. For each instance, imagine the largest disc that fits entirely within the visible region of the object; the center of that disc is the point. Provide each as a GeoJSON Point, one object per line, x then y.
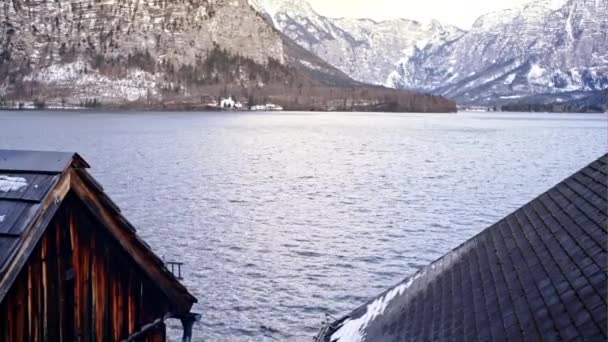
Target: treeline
{"type": "Point", "coordinates": [223, 73]}
{"type": "Point", "coordinates": [220, 74]}
{"type": "Point", "coordinates": [223, 67]}
{"type": "Point", "coordinates": [555, 108]}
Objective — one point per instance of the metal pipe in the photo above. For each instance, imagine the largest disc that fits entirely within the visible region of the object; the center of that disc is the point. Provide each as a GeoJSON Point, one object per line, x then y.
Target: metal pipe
{"type": "Point", "coordinates": [187, 324]}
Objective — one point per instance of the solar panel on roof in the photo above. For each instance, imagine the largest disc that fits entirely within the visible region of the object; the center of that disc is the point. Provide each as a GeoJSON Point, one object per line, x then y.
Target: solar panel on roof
{"type": "Point", "coordinates": [34, 161]}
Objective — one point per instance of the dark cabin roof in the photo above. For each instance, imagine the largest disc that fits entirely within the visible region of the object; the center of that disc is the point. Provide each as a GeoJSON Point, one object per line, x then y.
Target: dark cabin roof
{"type": "Point", "coordinates": [539, 272]}
{"type": "Point", "coordinates": [32, 186]}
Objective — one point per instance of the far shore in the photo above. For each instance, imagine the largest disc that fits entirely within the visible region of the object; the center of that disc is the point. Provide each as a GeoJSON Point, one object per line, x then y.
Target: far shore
{"type": "Point", "coordinates": [118, 109]}
{"type": "Point", "coordinates": [190, 107]}
{"type": "Point", "coordinates": [193, 107]}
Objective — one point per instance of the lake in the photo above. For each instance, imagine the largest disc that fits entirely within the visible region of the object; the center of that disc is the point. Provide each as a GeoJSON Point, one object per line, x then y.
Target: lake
{"type": "Point", "coordinates": [282, 218]}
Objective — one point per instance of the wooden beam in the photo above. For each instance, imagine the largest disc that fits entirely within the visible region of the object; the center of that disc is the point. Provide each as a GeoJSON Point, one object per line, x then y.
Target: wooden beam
{"type": "Point", "coordinates": [182, 302]}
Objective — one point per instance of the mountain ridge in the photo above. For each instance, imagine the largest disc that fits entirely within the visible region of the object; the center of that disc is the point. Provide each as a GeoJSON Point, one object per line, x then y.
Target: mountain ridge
{"type": "Point", "coordinates": [552, 50]}
{"type": "Point", "coordinates": [355, 46]}
{"type": "Point", "coordinates": [537, 49]}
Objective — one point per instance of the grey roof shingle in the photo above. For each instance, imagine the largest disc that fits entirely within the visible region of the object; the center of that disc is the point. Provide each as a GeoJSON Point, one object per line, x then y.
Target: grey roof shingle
{"type": "Point", "coordinates": [537, 274]}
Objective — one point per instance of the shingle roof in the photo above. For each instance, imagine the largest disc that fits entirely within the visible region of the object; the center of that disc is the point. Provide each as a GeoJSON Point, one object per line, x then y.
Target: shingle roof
{"type": "Point", "coordinates": [29, 182]}
{"type": "Point", "coordinates": [538, 274]}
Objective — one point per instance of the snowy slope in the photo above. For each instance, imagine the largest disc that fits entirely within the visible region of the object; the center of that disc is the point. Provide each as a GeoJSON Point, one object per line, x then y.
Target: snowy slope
{"type": "Point", "coordinates": [364, 49]}
{"type": "Point", "coordinates": [557, 48]}
{"type": "Point", "coordinates": [554, 48]}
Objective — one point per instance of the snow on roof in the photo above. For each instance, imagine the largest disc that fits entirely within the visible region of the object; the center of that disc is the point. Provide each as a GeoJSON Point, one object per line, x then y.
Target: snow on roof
{"type": "Point", "coordinates": [353, 329]}
{"type": "Point", "coordinates": [8, 184]}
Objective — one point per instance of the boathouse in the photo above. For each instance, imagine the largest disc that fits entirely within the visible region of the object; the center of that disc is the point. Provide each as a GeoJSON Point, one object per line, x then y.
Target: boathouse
{"type": "Point", "coordinates": [72, 268]}
{"type": "Point", "coordinates": [539, 274]}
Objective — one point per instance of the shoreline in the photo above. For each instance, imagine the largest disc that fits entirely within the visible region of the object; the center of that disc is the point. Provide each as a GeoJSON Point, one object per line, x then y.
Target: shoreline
{"type": "Point", "coordinates": [118, 109]}
{"type": "Point", "coordinates": [188, 109]}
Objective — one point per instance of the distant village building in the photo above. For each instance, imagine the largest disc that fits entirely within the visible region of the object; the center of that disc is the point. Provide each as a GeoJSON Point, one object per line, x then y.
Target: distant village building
{"type": "Point", "coordinates": [230, 103]}
{"type": "Point", "coordinates": [269, 107]}
{"type": "Point", "coordinates": [72, 268]}
{"type": "Point", "coordinates": [539, 274]}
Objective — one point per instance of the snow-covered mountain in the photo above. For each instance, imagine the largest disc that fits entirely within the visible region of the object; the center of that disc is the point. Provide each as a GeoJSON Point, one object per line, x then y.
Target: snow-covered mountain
{"type": "Point", "coordinates": [176, 54]}
{"type": "Point", "coordinates": [364, 49]}
{"type": "Point", "coordinates": [556, 49]}
{"type": "Point", "coordinates": [545, 51]}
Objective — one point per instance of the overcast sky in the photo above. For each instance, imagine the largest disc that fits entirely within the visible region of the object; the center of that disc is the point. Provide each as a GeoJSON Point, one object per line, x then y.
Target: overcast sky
{"type": "Point", "coordinates": [461, 13]}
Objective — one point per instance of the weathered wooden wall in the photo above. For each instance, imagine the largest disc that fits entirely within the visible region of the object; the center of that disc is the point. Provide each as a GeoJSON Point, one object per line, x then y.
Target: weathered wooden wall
{"type": "Point", "coordinates": [79, 285]}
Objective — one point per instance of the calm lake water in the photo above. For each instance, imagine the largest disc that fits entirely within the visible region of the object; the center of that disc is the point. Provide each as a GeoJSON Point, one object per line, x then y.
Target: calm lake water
{"type": "Point", "coordinates": [282, 218]}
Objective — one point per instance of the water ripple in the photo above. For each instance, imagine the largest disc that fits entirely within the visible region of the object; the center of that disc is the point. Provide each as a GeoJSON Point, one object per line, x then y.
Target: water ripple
{"type": "Point", "coordinates": [282, 219]}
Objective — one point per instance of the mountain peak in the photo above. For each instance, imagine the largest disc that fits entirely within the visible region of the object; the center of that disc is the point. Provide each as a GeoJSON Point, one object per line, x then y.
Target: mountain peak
{"type": "Point", "coordinates": [272, 7]}
{"type": "Point", "coordinates": [365, 49]}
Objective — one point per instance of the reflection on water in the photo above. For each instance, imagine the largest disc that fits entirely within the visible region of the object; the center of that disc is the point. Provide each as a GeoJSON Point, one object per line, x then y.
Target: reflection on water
{"type": "Point", "coordinates": [281, 218]}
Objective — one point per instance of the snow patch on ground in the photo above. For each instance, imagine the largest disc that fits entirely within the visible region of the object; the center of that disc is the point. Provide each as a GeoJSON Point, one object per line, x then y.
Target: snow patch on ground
{"type": "Point", "coordinates": [2, 218]}
{"type": "Point", "coordinates": [569, 26]}
{"type": "Point", "coordinates": [408, 53]}
{"type": "Point", "coordinates": [310, 65]}
{"type": "Point", "coordinates": [87, 82]}
{"type": "Point", "coordinates": [453, 77]}
{"type": "Point", "coordinates": [392, 81]}
{"type": "Point", "coordinates": [421, 44]}
{"type": "Point", "coordinates": [536, 72]}
{"type": "Point", "coordinates": [510, 79]}
{"type": "Point", "coordinates": [59, 73]}
{"type": "Point", "coordinates": [352, 330]}
{"type": "Point", "coordinates": [555, 4]}
{"type": "Point", "coordinates": [12, 183]}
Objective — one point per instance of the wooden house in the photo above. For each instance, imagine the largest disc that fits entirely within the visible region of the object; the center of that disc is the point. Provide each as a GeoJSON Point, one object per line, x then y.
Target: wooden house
{"type": "Point", "coordinates": [72, 268]}
{"type": "Point", "coordinates": [539, 274]}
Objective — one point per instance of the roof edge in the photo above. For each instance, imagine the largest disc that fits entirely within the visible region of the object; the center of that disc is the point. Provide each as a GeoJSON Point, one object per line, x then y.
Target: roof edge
{"type": "Point", "coordinates": [71, 168]}
{"type": "Point", "coordinates": [109, 215]}
{"type": "Point", "coordinates": [40, 162]}
{"type": "Point", "coordinates": [436, 266]}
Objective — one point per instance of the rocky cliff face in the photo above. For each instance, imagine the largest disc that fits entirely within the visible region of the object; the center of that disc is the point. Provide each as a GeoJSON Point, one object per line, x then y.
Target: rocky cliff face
{"type": "Point", "coordinates": [550, 50]}
{"type": "Point", "coordinates": [171, 54]}
{"type": "Point", "coordinates": [56, 42]}
{"type": "Point", "coordinates": [364, 49]}
{"type": "Point", "coordinates": [40, 31]}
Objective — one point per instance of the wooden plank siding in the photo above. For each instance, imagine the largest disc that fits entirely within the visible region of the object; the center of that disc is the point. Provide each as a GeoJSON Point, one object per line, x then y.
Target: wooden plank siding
{"type": "Point", "coordinates": [80, 285]}
{"type": "Point", "coordinates": [108, 214]}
